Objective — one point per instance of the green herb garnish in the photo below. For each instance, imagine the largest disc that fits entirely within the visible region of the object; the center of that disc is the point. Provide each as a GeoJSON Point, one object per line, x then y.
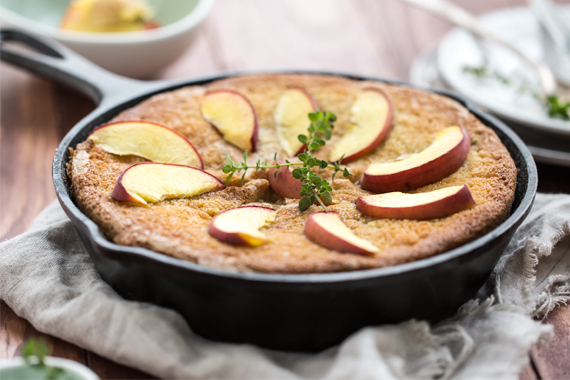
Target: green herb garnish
{"type": "Point", "coordinates": [555, 107]}
{"type": "Point", "coordinates": [315, 189]}
{"type": "Point", "coordinates": [34, 353]}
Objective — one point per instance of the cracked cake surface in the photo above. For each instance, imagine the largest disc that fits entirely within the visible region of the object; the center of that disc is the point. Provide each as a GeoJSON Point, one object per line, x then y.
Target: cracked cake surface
{"type": "Point", "coordinates": [179, 227]}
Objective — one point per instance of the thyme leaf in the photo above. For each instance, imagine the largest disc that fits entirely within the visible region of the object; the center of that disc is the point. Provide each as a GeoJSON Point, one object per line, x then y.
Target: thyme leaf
{"type": "Point", "coordinates": [314, 189]}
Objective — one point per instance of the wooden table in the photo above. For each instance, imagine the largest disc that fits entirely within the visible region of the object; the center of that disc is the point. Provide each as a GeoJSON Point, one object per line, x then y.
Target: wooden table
{"type": "Point", "coordinates": [370, 37]}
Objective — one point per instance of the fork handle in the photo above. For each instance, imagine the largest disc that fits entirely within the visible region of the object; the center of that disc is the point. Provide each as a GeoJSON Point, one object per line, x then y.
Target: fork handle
{"type": "Point", "coordinates": [461, 17]}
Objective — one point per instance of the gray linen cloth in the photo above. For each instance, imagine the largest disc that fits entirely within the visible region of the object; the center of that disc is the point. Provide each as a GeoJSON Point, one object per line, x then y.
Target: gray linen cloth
{"type": "Point", "coordinates": [47, 277]}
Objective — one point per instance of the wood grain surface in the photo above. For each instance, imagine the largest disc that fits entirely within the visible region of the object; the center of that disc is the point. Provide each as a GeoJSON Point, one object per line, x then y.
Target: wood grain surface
{"type": "Point", "coordinates": [369, 37]}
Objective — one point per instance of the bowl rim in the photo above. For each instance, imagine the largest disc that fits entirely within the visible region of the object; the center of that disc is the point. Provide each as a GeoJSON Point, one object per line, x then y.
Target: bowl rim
{"type": "Point", "coordinates": [85, 372]}
{"type": "Point", "coordinates": [119, 252]}
{"type": "Point", "coordinates": [188, 22]}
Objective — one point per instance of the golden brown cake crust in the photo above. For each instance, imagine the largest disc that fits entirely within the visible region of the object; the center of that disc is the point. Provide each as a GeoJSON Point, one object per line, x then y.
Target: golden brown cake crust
{"type": "Point", "coordinates": [178, 227]}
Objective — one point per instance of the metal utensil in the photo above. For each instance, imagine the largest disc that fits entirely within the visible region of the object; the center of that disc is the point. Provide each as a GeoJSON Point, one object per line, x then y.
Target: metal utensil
{"type": "Point", "coordinates": [461, 17]}
{"type": "Point", "coordinates": [555, 35]}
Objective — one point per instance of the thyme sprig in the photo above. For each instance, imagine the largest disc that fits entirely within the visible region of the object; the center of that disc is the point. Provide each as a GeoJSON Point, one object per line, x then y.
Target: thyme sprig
{"type": "Point", "coordinates": [34, 353]}
{"type": "Point", "coordinates": [556, 107]}
{"type": "Point", "coordinates": [314, 188]}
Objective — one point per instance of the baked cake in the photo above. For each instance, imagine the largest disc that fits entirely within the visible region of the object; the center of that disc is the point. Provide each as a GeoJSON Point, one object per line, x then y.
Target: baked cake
{"type": "Point", "coordinates": [179, 227]}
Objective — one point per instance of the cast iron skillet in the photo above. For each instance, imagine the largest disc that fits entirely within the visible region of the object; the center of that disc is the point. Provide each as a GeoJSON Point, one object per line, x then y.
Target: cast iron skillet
{"type": "Point", "coordinates": [302, 312]}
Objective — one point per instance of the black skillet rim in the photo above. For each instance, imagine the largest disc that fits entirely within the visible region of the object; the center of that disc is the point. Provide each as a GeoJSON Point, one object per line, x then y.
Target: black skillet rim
{"type": "Point", "coordinates": [120, 252]}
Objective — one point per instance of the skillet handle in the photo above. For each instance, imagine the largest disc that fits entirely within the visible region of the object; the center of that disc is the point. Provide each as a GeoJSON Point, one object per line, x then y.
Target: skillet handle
{"type": "Point", "coordinates": [54, 61]}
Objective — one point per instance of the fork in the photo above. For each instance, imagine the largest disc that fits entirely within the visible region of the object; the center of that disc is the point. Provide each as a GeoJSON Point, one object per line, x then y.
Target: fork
{"type": "Point", "coordinates": [461, 17]}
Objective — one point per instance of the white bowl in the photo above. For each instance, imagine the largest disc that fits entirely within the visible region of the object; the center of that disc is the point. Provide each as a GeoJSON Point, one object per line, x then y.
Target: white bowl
{"type": "Point", "coordinates": [78, 370]}
{"type": "Point", "coordinates": [134, 54]}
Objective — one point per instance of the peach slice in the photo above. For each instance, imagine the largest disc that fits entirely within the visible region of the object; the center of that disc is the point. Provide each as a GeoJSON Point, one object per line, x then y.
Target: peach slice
{"type": "Point", "coordinates": [233, 115]}
{"type": "Point", "coordinates": [291, 118]}
{"type": "Point", "coordinates": [443, 157]}
{"type": "Point", "coordinates": [240, 226]}
{"type": "Point", "coordinates": [371, 117]}
{"type": "Point", "coordinates": [285, 185]}
{"type": "Point", "coordinates": [153, 182]}
{"type": "Point", "coordinates": [105, 16]}
{"type": "Point", "coordinates": [152, 141]}
{"type": "Point", "coordinates": [327, 230]}
{"type": "Point", "coordinates": [431, 205]}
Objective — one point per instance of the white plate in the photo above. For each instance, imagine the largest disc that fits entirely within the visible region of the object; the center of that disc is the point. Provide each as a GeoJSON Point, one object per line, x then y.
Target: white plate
{"type": "Point", "coordinates": [549, 156]}
{"type": "Point", "coordinates": [459, 49]}
{"type": "Point", "coordinates": [544, 148]}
